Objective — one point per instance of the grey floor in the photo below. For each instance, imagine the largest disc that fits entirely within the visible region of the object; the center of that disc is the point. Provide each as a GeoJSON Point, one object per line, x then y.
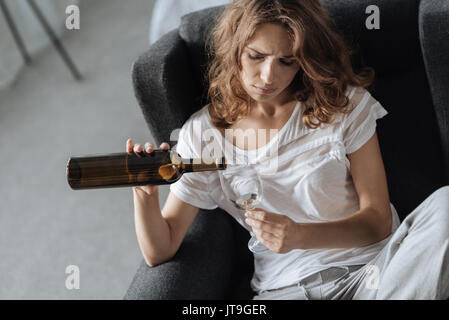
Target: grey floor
{"type": "Point", "coordinates": [45, 118]}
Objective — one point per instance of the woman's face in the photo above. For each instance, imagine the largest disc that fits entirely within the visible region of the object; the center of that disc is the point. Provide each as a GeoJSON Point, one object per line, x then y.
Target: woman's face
{"type": "Point", "coordinates": [268, 64]}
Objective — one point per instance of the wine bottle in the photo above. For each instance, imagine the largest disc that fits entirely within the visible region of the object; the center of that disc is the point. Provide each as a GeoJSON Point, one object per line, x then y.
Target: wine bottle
{"type": "Point", "coordinates": [123, 169]}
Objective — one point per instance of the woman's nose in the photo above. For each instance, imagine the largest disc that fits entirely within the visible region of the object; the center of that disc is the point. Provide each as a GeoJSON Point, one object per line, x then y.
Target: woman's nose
{"type": "Point", "coordinates": [267, 72]}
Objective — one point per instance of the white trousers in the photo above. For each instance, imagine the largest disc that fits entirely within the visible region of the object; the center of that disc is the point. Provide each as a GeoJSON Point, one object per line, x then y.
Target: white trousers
{"type": "Point", "coordinates": [414, 264]}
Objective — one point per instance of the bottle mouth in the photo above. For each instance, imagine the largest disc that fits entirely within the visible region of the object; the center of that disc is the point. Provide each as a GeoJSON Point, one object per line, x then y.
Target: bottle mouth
{"type": "Point", "coordinates": [73, 172]}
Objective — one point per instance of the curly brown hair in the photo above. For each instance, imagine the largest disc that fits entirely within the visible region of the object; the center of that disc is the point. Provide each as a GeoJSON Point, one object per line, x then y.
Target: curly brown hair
{"type": "Point", "coordinates": [322, 54]}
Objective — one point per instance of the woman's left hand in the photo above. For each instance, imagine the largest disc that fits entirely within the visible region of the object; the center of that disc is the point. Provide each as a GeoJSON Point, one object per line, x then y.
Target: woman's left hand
{"type": "Point", "coordinates": [277, 232]}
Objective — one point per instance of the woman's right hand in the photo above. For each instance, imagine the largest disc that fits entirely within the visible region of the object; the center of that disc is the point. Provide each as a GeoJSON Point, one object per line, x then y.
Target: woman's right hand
{"type": "Point", "coordinates": [137, 149]}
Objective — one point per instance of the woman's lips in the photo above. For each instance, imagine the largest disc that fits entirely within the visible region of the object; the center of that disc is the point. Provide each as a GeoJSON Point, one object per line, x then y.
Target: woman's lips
{"type": "Point", "coordinates": [264, 91]}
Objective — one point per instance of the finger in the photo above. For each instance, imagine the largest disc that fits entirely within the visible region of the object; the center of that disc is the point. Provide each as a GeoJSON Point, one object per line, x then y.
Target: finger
{"type": "Point", "coordinates": [270, 217]}
{"type": "Point", "coordinates": [129, 145]}
{"type": "Point", "coordinates": [138, 150]}
{"type": "Point", "coordinates": [266, 239]}
{"type": "Point", "coordinates": [164, 146]}
{"type": "Point", "coordinates": [149, 147]}
{"type": "Point", "coordinates": [266, 234]}
{"type": "Point", "coordinates": [272, 244]}
{"type": "Point", "coordinates": [274, 229]}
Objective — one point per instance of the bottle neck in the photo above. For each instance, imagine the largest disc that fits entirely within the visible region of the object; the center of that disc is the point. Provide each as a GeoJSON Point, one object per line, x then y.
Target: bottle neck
{"type": "Point", "coordinates": [198, 165]}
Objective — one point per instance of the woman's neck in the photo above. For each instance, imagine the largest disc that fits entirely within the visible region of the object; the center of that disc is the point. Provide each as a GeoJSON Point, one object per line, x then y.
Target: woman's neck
{"type": "Point", "coordinates": [272, 110]}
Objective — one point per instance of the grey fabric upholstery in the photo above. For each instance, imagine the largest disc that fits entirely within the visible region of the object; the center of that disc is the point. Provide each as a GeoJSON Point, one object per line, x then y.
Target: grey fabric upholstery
{"type": "Point", "coordinates": [410, 54]}
{"type": "Point", "coordinates": [207, 262]}
{"type": "Point", "coordinates": [434, 35]}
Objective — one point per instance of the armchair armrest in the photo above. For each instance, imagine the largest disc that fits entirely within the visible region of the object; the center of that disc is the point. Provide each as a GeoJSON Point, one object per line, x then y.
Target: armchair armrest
{"type": "Point", "coordinates": [201, 269]}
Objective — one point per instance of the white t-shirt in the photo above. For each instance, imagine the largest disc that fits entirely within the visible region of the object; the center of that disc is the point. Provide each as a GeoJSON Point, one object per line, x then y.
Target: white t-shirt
{"type": "Point", "coordinates": [305, 175]}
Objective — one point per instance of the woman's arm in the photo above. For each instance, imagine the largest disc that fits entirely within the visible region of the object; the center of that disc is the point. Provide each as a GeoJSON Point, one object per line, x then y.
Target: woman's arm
{"type": "Point", "coordinates": [160, 233]}
{"type": "Point", "coordinates": [372, 223]}
{"type": "Point", "coordinates": [153, 232]}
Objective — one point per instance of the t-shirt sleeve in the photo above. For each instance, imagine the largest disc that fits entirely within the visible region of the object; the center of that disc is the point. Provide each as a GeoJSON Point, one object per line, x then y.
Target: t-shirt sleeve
{"type": "Point", "coordinates": [360, 124]}
{"type": "Point", "coordinates": [193, 187]}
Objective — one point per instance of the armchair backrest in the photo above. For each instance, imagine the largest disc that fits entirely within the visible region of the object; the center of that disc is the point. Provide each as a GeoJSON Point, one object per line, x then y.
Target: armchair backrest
{"type": "Point", "coordinates": [169, 84]}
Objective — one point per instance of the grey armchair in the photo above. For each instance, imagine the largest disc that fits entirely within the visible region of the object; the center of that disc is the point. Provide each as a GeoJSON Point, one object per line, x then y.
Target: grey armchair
{"type": "Point", "coordinates": [410, 53]}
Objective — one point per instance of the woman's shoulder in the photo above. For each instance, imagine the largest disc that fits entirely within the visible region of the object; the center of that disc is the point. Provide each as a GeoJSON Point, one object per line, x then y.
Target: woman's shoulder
{"type": "Point", "coordinates": [364, 109]}
{"type": "Point", "coordinates": [356, 94]}
{"type": "Point", "coordinates": [358, 98]}
{"type": "Point", "coordinates": [361, 100]}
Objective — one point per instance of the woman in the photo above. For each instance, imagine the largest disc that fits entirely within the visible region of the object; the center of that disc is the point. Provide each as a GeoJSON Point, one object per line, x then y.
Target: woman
{"type": "Point", "coordinates": [325, 215]}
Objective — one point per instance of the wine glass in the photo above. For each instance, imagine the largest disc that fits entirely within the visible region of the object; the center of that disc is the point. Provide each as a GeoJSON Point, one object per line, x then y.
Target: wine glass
{"type": "Point", "coordinates": [243, 188]}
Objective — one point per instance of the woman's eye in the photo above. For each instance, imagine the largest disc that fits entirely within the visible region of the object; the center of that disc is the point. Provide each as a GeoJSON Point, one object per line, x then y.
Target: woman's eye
{"type": "Point", "coordinates": [254, 57]}
{"type": "Point", "coordinates": [286, 63]}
